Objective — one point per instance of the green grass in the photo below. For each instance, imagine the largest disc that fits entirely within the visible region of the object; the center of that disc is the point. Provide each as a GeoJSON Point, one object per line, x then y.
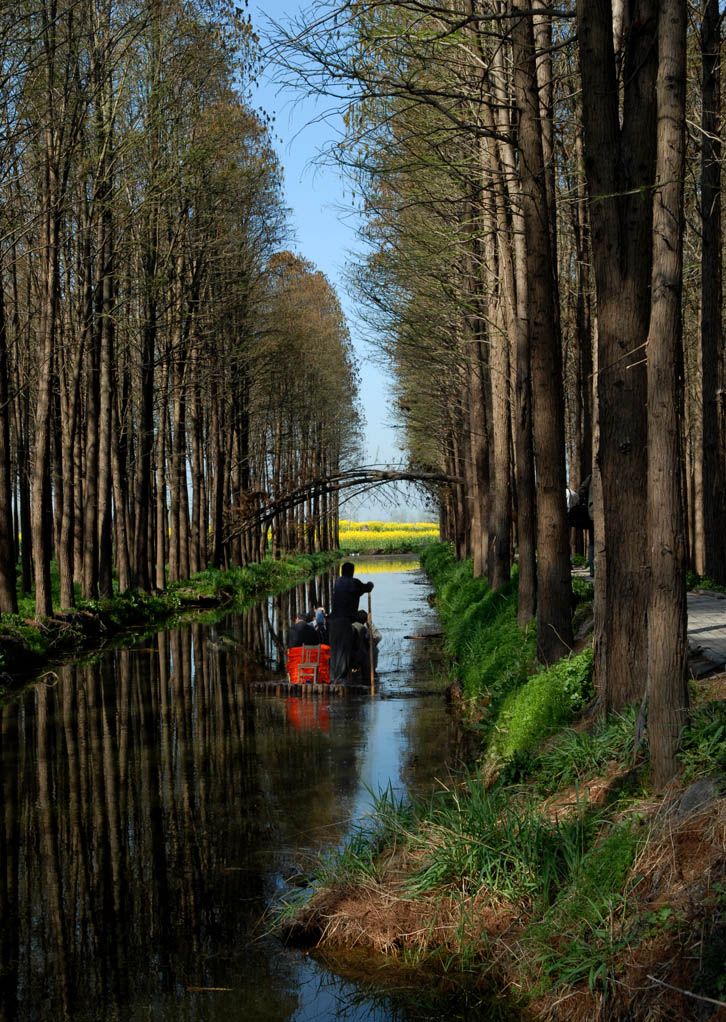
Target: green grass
{"type": "Point", "coordinates": [490, 654]}
{"type": "Point", "coordinates": [580, 936]}
{"type": "Point", "coordinates": [577, 756]}
{"type": "Point", "coordinates": [536, 710]}
{"type": "Point", "coordinates": [703, 749]}
{"type": "Point", "coordinates": [496, 840]}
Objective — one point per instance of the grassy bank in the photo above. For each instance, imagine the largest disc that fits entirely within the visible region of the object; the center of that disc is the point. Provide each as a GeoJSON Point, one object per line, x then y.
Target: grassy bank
{"type": "Point", "coordinates": [551, 865]}
{"type": "Point", "coordinates": [27, 645]}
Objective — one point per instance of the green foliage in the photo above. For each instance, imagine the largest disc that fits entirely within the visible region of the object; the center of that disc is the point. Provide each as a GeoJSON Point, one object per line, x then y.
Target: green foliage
{"type": "Point", "coordinates": [254, 579]}
{"type": "Point", "coordinates": [694, 581]}
{"type": "Point", "coordinates": [492, 654]}
{"type": "Point", "coordinates": [544, 703]}
{"type": "Point", "coordinates": [17, 629]}
{"type": "Point", "coordinates": [582, 590]}
{"type": "Point", "coordinates": [703, 749]}
{"type": "Point", "coordinates": [577, 939]}
{"type": "Point", "coordinates": [578, 755]}
{"type": "Point", "coordinates": [490, 839]}
{"type": "Point", "coordinates": [382, 545]}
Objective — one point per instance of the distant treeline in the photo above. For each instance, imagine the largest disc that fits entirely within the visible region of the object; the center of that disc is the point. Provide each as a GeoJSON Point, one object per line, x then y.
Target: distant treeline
{"type": "Point", "coordinates": [164, 364]}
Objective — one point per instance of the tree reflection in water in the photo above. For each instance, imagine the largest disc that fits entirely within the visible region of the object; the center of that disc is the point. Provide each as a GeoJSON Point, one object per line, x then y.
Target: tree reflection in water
{"type": "Point", "coordinates": [153, 805]}
{"type": "Point", "coordinates": [146, 817]}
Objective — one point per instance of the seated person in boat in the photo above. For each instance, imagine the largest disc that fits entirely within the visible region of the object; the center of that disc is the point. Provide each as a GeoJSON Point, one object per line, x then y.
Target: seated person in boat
{"type": "Point", "coordinates": [320, 624]}
{"type": "Point", "coordinates": [302, 633]}
{"type": "Point", "coordinates": [361, 652]}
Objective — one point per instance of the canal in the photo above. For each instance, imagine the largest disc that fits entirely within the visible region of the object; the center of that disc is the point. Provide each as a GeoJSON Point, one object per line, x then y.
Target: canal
{"type": "Point", "coordinates": [159, 801]}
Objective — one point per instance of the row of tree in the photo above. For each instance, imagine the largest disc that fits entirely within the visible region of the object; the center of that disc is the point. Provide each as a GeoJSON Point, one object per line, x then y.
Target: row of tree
{"type": "Point", "coordinates": [163, 361]}
{"type": "Point", "coordinates": [528, 190]}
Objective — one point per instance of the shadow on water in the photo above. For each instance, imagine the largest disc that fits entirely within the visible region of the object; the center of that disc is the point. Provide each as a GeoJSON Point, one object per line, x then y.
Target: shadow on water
{"type": "Point", "coordinates": [155, 804]}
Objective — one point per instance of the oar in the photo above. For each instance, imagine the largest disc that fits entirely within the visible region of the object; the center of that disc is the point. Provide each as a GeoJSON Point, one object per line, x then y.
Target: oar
{"type": "Point", "coordinates": [370, 641]}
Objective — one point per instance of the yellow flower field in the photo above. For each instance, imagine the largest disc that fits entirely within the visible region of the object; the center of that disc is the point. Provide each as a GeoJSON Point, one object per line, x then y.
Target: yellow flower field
{"type": "Point", "coordinates": [387, 537]}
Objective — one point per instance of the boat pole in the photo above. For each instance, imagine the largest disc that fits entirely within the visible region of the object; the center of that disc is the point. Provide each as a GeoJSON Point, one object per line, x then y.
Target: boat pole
{"type": "Point", "coordinates": [370, 641]}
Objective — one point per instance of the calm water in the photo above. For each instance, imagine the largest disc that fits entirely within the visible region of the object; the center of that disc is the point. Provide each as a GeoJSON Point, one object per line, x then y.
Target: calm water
{"type": "Point", "coordinates": [157, 804]}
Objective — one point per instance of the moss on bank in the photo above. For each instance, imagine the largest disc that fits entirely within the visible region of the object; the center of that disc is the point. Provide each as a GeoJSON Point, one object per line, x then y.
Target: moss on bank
{"type": "Point", "coordinates": [27, 644]}
{"type": "Point", "coordinates": [550, 866]}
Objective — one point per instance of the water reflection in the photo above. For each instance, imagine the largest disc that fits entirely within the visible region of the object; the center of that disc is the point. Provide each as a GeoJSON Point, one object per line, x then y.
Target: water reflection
{"type": "Point", "coordinates": [154, 806]}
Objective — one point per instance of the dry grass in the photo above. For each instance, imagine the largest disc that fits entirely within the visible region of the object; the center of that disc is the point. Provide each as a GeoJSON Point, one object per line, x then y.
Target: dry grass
{"type": "Point", "coordinates": [678, 876]}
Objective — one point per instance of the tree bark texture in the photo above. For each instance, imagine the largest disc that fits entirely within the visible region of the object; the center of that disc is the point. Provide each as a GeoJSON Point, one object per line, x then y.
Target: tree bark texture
{"type": "Point", "coordinates": [554, 586]}
{"type": "Point", "coordinates": [619, 163]}
{"type": "Point", "coordinates": [713, 493]}
{"type": "Point", "coordinates": [667, 638]}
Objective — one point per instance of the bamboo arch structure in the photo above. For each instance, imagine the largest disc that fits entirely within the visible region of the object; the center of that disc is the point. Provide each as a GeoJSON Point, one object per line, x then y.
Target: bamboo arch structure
{"type": "Point", "coordinates": [261, 510]}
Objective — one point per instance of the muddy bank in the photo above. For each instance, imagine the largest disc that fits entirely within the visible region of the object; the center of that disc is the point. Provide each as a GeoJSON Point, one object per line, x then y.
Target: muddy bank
{"type": "Point", "coordinates": [663, 954]}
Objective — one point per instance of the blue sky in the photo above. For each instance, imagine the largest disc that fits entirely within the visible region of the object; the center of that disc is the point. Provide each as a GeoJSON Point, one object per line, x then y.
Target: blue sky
{"type": "Point", "coordinates": [324, 233]}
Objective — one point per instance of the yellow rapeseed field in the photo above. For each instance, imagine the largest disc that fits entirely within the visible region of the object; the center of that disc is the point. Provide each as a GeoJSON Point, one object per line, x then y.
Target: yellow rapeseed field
{"type": "Point", "coordinates": [387, 535]}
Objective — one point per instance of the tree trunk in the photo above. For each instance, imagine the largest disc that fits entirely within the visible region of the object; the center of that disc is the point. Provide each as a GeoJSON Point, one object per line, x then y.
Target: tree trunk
{"type": "Point", "coordinates": [619, 162]}
{"type": "Point", "coordinates": [144, 470]}
{"type": "Point", "coordinates": [525, 512]}
{"type": "Point", "coordinates": [105, 551]}
{"type": "Point", "coordinates": [554, 624]}
{"type": "Point", "coordinates": [8, 593]}
{"type": "Point", "coordinates": [712, 509]}
{"type": "Point", "coordinates": [41, 464]}
{"type": "Point", "coordinates": [667, 637]}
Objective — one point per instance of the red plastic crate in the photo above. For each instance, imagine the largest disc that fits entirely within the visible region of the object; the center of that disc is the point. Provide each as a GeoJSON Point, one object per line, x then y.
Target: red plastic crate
{"type": "Point", "coordinates": [308, 664]}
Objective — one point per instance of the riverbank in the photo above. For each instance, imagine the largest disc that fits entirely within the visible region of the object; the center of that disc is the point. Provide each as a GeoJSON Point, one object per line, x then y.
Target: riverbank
{"type": "Point", "coordinates": [28, 646]}
{"type": "Point", "coordinates": [552, 867]}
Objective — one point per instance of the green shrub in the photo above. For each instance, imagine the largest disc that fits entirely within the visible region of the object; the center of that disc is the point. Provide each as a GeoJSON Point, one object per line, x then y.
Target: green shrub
{"type": "Point", "coordinates": [694, 581]}
{"type": "Point", "coordinates": [549, 699]}
{"type": "Point", "coordinates": [16, 628]}
{"type": "Point", "coordinates": [582, 590]}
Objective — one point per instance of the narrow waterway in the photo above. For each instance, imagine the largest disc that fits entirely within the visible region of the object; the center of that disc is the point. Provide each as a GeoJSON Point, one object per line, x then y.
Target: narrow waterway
{"type": "Point", "coordinates": [158, 801]}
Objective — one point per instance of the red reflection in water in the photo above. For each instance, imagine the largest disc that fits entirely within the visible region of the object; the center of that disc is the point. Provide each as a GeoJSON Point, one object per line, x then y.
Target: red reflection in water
{"type": "Point", "coordinates": [308, 714]}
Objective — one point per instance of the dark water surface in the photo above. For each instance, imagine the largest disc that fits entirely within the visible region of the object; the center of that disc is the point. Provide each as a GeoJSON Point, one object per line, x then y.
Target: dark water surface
{"type": "Point", "coordinates": [156, 804]}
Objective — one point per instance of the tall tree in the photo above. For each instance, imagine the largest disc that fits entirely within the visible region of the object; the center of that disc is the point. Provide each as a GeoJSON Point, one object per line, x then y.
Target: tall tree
{"type": "Point", "coordinates": [554, 623]}
{"type": "Point", "coordinates": [712, 496]}
{"type": "Point", "coordinates": [619, 128]}
{"type": "Point", "coordinates": [667, 639]}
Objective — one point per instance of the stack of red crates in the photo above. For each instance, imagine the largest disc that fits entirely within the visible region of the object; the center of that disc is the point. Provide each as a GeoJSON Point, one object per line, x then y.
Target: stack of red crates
{"type": "Point", "coordinates": [301, 661]}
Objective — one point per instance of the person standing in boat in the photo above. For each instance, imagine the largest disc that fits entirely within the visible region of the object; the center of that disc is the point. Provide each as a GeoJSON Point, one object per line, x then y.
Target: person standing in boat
{"type": "Point", "coordinates": [346, 594]}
